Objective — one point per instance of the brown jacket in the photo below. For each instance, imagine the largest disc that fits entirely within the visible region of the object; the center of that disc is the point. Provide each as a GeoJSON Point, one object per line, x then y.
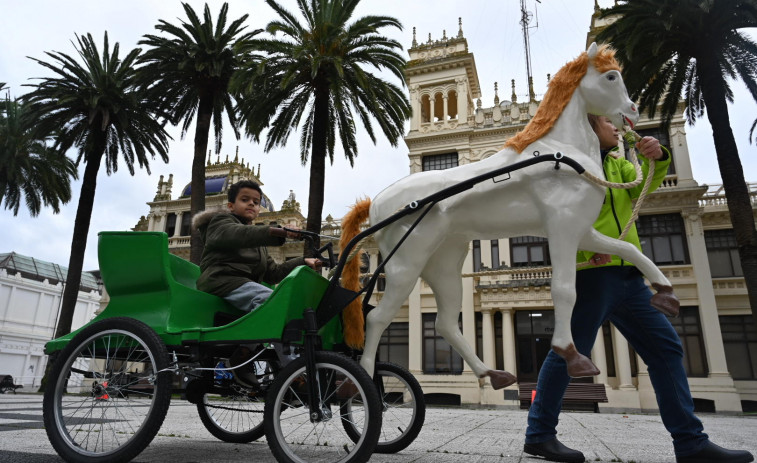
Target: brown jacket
{"type": "Point", "coordinates": [236, 253]}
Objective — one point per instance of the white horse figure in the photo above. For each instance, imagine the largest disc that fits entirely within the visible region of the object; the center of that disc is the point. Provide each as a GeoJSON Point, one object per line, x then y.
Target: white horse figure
{"type": "Point", "coordinates": [537, 200]}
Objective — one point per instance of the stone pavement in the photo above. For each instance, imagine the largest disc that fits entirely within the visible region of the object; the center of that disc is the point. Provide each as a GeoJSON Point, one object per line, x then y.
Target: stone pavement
{"type": "Point", "coordinates": [449, 435]}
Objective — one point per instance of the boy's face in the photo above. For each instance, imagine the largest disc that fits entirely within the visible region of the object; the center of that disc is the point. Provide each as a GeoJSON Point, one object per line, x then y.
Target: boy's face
{"type": "Point", "coordinates": [606, 132]}
{"type": "Point", "coordinates": [247, 204]}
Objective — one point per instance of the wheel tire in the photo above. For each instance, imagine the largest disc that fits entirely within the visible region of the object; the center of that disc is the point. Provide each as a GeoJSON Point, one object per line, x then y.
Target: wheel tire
{"type": "Point", "coordinates": [236, 418]}
{"type": "Point", "coordinates": [293, 438]}
{"type": "Point", "coordinates": [97, 407]}
{"type": "Point", "coordinates": [395, 384]}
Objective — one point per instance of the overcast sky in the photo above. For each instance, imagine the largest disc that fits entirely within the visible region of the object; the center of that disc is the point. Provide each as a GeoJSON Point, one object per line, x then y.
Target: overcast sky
{"type": "Point", "coordinates": [492, 28]}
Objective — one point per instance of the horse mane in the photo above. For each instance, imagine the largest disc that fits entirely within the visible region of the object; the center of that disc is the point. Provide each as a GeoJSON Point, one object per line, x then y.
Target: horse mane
{"type": "Point", "coordinates": [561, 88]}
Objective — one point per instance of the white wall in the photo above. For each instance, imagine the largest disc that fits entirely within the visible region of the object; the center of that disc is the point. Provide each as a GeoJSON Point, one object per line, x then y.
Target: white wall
{"type": "Point", "coordinates": [28, 312]}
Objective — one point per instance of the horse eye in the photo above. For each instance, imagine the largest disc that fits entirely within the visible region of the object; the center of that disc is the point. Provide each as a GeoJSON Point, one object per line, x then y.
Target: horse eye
{"type": "Point", "coordinates": [611, 77]}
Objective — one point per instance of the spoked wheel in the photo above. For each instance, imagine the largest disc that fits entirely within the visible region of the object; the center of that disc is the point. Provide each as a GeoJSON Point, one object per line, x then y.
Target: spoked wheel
{"type": "Point", "coordinates": [296, 433]}
{"type": "Point", "coordinates": [234, 413]}
{"type": "Point", "coordinates": [403, 406]}
{"type": "Point", "coordinates": [108, 392]}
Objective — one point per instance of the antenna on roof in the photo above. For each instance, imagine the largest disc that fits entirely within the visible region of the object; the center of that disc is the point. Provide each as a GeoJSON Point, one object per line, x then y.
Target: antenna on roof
{"type": "Point", "coordinates": [525, 21]}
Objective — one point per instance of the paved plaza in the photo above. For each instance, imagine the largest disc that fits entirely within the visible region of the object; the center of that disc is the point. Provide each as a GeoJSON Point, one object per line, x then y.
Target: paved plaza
{"type": "Point", "coordinates": [449, 435]}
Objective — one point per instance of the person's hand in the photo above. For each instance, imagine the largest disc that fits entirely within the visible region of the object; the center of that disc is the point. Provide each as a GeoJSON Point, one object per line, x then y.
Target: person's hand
{"type": "Point", "coordinates": [314, 263]}
{"type": "Point", "coordinates": [293, 234]}
{"type": "Point", "coordinates": [600, 259]}
{"type": "Point", "coordinates": [649, 147]}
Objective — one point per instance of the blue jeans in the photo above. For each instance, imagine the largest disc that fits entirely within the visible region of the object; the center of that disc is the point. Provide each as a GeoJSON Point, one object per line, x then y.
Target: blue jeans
{"type": "Point", "coordinates": [249, 296]}
{"type": "Point", "coordinates": [620, 295]}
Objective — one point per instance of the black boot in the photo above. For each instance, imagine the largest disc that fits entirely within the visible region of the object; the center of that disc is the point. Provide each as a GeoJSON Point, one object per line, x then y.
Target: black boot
{"type": "Point", "coordinates": [554, 450]}
{"type": "Point", "coordinates": [714, 453]}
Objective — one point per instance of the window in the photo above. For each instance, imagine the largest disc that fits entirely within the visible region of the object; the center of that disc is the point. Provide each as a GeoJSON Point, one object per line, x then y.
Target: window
{"type": "Point", "coordinates": [690, 331]}
{"type": "Point", "coordinates": [740, 343]}
{"type": "Point", "coordinates": [533, 337]}
{"type": "Point", "coordinates": [723, 253]}
{"type": "Point", "coordinates": [529, 250]}
{"type": "Point", "coordinates": [498, 354]}
{"type": "Point", "coordinates": [662, 238]}
{"type": "Point", "coordinates": [440, 161]}
{"type": "Point", "coordinates": [662, 136]}
{"type": "Point", "coordinates": [477, 264]}
{"type": "Point", "coordinates": [495, 254]}
{"type": "Point", "coordinates": [393, 345]}
{"type": "Point", "coordinates": [186, 223]}
{"type": "Point", "coordinates": [438, 356]}
{"type": "Point", "coordinates": [170, 224]}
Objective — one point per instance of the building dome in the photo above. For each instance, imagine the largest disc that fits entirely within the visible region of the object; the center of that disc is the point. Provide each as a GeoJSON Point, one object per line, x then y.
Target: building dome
{"type": "Point", "coordinates": [213, 186]}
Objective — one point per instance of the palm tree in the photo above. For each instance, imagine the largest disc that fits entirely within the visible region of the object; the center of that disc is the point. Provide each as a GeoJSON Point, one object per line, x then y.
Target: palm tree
{"type": "Point", "coordinates": [29, 168]}
{"type": "Point", "coordinates": [188, 73]}
{"type": "Point", "coordinates": [95, 107]}
{"type": "Point", "coordinates": [316, 70]}
{"type": "Point", "coordinates": [694, 47]}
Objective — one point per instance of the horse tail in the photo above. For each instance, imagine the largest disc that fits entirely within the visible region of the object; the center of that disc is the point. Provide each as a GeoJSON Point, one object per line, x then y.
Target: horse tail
{"type": "Point", "coordinates": [354, 323]}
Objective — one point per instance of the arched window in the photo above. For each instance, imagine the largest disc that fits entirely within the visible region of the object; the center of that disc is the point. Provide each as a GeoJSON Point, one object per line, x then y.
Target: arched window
{"type": "Point", "coordinates": [425, 108]}
{"type": "Point", "coordinates": [452, 104]}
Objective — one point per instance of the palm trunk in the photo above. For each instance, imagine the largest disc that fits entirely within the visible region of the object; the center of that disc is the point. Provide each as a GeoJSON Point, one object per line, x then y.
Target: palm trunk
{"type": "Point", "coordinates": [318, 161]}
{"type": "Point", "coordinates": [732, 174]}
{"type": "Point", "coordinates": [197, 199]}
{"type": "Point", "coordinates": [78, 247]}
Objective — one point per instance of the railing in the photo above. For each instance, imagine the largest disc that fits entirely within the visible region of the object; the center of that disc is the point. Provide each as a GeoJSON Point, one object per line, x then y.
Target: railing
{"type": "Point", "coordinates": [715, 195]}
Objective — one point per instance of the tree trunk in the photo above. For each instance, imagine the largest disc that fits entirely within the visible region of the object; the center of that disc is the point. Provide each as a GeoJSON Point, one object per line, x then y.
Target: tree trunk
{"type": "Point", "coordinates": [197, 199]}
{"type": "Point", "coordinates": [732, 174]}
{"type": "Point", "coordinates": [318, 160]}
{"type": "Point", "coordinates": [78, 247]}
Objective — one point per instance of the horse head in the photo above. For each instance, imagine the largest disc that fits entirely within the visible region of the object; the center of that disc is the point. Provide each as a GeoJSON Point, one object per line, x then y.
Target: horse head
{"type": "Point", "coordinates": [603, 89]}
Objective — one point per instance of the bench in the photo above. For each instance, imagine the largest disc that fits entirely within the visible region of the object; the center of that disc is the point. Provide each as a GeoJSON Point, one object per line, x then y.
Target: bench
{"type": "Point", "coordinates": [577, 395]}
{"type": "Point", "coordinates": [6, 385]}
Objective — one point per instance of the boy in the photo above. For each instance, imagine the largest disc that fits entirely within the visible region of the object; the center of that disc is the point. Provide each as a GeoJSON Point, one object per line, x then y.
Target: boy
{"type": "Point", "coordinates": [235, 259]}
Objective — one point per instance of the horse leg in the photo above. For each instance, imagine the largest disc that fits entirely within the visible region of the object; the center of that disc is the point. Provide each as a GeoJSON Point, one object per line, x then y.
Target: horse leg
{"type": "Point", "coordinates": [398, 288]}
{"type": "Point", "coordinates": [564, 298]}
{"type": "Point", "coordinates": [664, 300]}
{"type": "Point", "coordinates": [442, 273]}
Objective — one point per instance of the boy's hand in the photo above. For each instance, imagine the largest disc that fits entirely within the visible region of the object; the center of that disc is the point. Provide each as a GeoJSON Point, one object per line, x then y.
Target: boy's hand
{"type": "Point", "coordinates": [600, 259]}
{"type": "Point", "coordinates": [649, 147]}
{"type": "Point", "coordinates": [293, 234]}
{"type": "Point", "coordinates": [314, 263]}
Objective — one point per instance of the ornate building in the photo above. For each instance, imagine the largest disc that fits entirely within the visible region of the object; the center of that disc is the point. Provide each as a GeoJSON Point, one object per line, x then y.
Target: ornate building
{"type": "Point", "coordinates": [508, 314]}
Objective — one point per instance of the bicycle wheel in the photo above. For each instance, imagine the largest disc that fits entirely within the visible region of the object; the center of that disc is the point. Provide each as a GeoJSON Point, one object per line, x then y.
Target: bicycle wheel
{"type": "Point", "coordinates": [296, 436]}
{"type": "Point", "coordinates": [403, 406]}
{"type": "Point", "coordinates": [108, 392]}
{"type": "Point", "coordinates": [234, 413]}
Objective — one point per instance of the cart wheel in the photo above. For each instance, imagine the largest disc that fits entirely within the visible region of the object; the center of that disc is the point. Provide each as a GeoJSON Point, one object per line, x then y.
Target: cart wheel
{"type": "Point", "coordinates": [108, 392]}
{"type": "Point", "coordinates": [236, 414]}
{"type": "Point", "coordinates": [294, 437]}
{"type": "Point", "coordinates": [403, 405]}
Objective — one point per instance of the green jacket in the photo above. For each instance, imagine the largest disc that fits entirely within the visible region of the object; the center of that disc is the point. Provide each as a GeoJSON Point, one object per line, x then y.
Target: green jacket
{"type": "Point", "coordinates": [617, 207]}
{"type": "Point", "coordinates": [236, 253]}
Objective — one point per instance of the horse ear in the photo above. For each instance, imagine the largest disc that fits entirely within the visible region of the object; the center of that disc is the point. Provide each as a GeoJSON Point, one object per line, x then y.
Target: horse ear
{"type": "Point", "coordinates": [592, 51]}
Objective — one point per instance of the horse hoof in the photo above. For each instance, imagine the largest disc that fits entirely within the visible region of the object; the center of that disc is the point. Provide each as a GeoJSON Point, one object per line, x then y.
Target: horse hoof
{"type": "Point", "coordinates": [346, 389]}
{"type": "Point", "coordinates": [578, 364]}
{"type": "Point", "coordinates": [500, 379]}
{"type": "Point", "coordinates": [665, 300]}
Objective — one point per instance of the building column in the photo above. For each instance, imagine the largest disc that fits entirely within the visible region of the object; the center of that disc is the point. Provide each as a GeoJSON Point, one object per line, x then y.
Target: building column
{"type": "Point", "coordinates": [469, 317]}
{"type": "Point", "coordinates": [599, 357]}
{"type": "Point", "coordinates": [177, 227]}
{"type": "Point", "coordinates": [415, 105]}
{"type": "Point", "coordinates": [445, 114]}
{"type": "Point", "coordinates": [415, 330]}
{"type": "Point", "coordinates": [487, 331]}
{"type": "Point", "coordinates": [508, 340]}
{"type": "Point", "coordinates": [708, 310]}
{"type": "Point", "coordinates": [622, 360]}
{"type": "Point", "coordinates": [431, 108]}
{"type": "Point", "coordinates": [462, 100]}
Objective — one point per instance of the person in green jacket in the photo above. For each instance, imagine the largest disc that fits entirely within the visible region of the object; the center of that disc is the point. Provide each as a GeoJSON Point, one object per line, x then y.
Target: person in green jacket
{"type": "Point", "coordinates": [235, 261]}
{"type": "Point", "coordinates": [613, 289]}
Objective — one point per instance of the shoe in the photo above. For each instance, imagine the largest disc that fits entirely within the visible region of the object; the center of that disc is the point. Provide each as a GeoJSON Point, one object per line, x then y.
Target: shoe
{"type": "Point", "coordinates": [554, 450]}
{"type": "Point", "coordinates": [714, 453]}
{"type": "Point", "coordinates": [246, 373]}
